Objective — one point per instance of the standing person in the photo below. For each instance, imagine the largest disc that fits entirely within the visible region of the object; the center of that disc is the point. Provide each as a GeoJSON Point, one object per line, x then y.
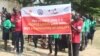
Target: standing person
{"type": "Point", "coordinates": [82, 45]}
{"type": "Point", "coordinates": [92, 28]}
{"type": "Point", "coordinates": [50, 40]}
{"type": "Point", "coordinates": [3, 16]}
{"type": "Point", "coordinates": [63, 43]}
{"type": "Point", "coordinates": [29, 38]}
{"type": "Point", "coordinates": [6, 28]}
{"type": "Point", "coordinates": [76, 29]}
{"type": "Point", "coordinates": [43, 41]}
{"type": "Point", "coordinates": [56, 39]}
{"type": "Point", "coordinates": [86, 28]}
{"type": "Point", "coordinates": [18, 36]}
{"type": "Point", "coordinates": [35, 39]}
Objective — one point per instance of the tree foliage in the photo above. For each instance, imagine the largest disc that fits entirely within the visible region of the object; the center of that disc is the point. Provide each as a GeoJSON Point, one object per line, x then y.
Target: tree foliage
{"type": "Point", "coordinates": [87, 6]}
{"type": "Point", "coordinates": [25, 2]}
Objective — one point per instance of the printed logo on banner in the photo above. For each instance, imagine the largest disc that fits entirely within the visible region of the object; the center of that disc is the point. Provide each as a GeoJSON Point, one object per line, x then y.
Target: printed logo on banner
{"type": "Point", "coordinates": [66, 9]}
{"type": "Point", "coordinates": [28, 12]}
{"type": "Point", "coordinates": [40, 12]}
{"type": "Point", "coordinates": [53, 11]}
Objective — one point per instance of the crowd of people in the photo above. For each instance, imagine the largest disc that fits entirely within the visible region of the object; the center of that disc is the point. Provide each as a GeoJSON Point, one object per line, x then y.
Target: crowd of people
{"type": "Point", "coordinates": [83, 28]}
{"type": "Point", "coordinates": [11, 23]}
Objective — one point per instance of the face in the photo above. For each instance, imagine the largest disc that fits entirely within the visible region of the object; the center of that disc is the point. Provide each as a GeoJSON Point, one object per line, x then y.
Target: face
{"type": "Point", "coordinates": [91, 18]}
{"type": "Point", "coordinates": [14, 10]}
{"type": "Point", "coordinates": [76, 18]}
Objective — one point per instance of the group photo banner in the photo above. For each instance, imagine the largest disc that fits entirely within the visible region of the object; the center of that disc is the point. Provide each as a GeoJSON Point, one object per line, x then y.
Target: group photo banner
{"type": "Point", "coordinates": [51, 19]}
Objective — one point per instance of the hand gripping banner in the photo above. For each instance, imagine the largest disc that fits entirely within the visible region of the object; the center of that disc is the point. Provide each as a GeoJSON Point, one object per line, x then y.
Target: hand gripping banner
{"type": "Point", "coordinates": [53, 19]}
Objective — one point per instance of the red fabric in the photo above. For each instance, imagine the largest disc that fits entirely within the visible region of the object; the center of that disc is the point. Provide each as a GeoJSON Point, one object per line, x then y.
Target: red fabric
{"type": "Point", "coordinates": [58, 24]}
{"type": "Point", "coordinates": [17, 20]}
{"type": "Point", "coordinates": [75, 34]}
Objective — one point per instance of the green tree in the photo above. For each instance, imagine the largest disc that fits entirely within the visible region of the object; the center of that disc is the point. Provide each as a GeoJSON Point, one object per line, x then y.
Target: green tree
{"type": "Point", "coordinates": [84, 6]}
{"type": "Point", "coordinates": [55, 1]}
{"type": "Point", "coordinates": [87, 6]}
{"type": "Point", "coordinates": [25, 2]}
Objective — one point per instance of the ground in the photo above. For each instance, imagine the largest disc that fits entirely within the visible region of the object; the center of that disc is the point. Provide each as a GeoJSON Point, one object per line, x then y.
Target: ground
{"type": "Point", "coordinates": [91, 50]}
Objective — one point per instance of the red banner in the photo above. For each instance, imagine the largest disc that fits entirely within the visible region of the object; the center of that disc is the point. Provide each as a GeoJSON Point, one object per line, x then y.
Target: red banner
{"type": "Point", "coordinates": [57, 24]}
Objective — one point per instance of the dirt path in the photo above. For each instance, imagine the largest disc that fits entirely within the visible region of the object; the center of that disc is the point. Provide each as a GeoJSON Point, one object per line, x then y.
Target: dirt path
{"type": "Point", "coordinates": [91, 50]}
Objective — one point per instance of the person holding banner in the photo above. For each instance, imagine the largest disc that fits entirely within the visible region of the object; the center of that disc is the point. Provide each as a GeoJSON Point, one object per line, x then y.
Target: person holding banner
{"type": "Point", "coordinates": [76, 30]}
{"type": "Point", "coordinates": [18, 36]}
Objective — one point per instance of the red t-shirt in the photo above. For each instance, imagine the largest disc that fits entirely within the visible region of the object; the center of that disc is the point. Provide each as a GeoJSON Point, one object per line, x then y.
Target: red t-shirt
{"type": "Point", "coordinates": [76, 35]}
{"type": "Point", "coordinates": [17, 20]}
